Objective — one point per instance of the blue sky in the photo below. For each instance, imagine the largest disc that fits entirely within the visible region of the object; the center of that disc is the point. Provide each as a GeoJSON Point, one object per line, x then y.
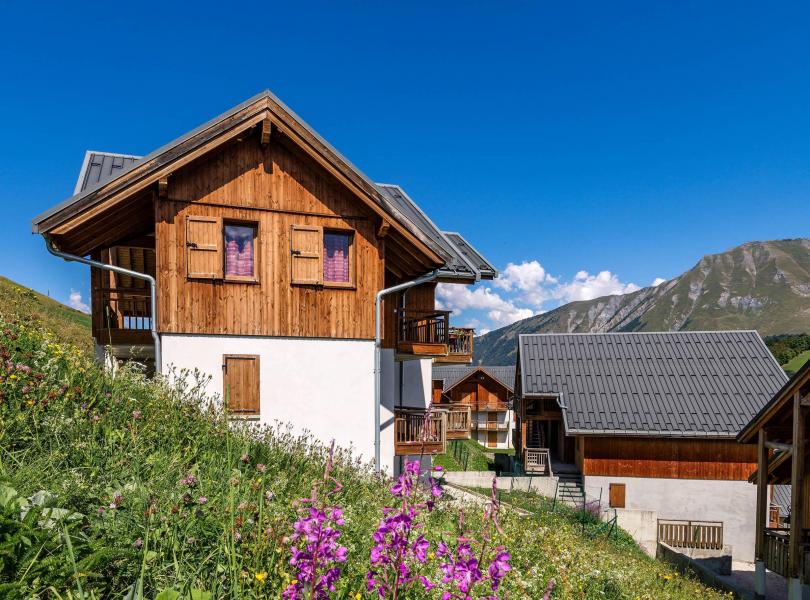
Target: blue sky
{"type": "Point", "coordinates": [621, 139]}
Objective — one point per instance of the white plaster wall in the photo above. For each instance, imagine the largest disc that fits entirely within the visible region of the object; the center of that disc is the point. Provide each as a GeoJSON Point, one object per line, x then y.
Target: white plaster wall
{"type": "Point", "coordinates": [322, 386]}
{"type": "Point", "coordinates": [732, 502]}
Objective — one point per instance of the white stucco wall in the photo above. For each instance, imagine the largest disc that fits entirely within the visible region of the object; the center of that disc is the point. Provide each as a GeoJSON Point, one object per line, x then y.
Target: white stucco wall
{"type": "Point", "coordinates": [732, 502]}
{"type": "Point", "coordinates": [322, 386]}
{"type": "Point", "coordinates": [325, 387]}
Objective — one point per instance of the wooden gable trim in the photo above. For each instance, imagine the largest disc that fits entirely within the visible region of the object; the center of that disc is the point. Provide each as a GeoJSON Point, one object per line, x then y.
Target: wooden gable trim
{"type": "Point", "coordinates": [780, 402]}
{"type": "Point", "coordinates": [476, 371]}
{"type": "Point", "coordinates": [262, 111]}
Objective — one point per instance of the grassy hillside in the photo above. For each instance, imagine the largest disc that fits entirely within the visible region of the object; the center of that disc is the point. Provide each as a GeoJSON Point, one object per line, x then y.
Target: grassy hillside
{"type": "Point", "coordinates": [65, 323]}
{"type": "Point", "coordinates": [758, 285]}
{"type": "Point", "coordinates": [113, 486]}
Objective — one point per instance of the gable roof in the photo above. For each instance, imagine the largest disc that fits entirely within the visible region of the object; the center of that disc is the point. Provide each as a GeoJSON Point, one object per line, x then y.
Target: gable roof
{"type": "Point", "coordinates": [265, 106]}
{"type": "Point", "coordinates": [452, 375]}
{"type": "Point", "coordinates": [699, 384]}
{"type": "Point", "coordinates": [464, 262]}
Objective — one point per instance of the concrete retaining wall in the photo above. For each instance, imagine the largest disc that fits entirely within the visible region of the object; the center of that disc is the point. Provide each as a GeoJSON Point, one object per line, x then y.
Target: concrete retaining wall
{"type": "Point", "coordinates": [545, 486]}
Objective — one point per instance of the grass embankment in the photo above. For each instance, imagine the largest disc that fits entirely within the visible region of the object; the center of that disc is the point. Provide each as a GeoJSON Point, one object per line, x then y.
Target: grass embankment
{"type": "Point", "coordinates": [64, 323]}
{"type": "Point", "coordinates": [468, 455]}
{"type": "Point", "coordinates": [591, 556]}
{"type": "Point", "coordinates": [102, 464]}
{"type": "Point", "coordinates": [796, 363]}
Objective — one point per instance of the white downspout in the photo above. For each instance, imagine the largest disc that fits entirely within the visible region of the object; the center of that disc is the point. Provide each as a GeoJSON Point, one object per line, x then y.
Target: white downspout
{"type": "Point", "coordinates": [148, 278]}
{"type": "Point", "coordinates": [378, 353]}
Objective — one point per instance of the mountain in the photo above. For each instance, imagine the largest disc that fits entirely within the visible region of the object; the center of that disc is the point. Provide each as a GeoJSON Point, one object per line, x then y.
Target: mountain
{"type": "Point", "coordinates": [65, 324]}
{"type": "Point", "coordinates": [758, 285]}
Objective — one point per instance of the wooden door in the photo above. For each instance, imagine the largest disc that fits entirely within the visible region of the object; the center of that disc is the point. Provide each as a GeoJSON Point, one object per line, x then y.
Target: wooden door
{"type": "Point", "coordinates": [492, 439]}
{"type": "Point", "coordinates": [240, 384]}
{"type": "Point", "coordinates": [617, 495]}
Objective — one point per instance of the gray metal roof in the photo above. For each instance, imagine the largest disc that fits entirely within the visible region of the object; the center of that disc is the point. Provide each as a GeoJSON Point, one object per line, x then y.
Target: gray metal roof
{"type": "Point", "coordinates": [697, 384]}
{"type": "Point", "coordinates": [99, 167]}
{"type": "Point", "coordinates": [781, 498]}
{"type": "Point", "coordinates": [463, 265]}
{"type": "Point", "coordinates": [487, 270]}
{"type": "Point", "coordinates": [453, 374]}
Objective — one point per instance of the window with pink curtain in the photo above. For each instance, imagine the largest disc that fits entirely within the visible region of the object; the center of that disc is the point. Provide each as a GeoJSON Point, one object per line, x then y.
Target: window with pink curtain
{"type": "Point", "coordinates": [239, 260]}
{"type": "Point", "coordinates": [336, 247]}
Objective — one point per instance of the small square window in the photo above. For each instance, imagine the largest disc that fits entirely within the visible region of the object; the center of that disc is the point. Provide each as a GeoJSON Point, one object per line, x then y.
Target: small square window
{"type": "Point", "coordinates": [240, 252]}
{"type": "Point", "coordinates": [337, 263]}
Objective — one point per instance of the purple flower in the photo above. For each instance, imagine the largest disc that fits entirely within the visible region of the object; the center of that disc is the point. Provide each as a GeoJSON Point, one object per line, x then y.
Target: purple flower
{"type": "Point", "coordinates": [261, 468]}
{"type": "Point", "coordinates": [189, 480]}
{"type": "Point", "coordinates": [138, 543]}
{"type": "Point", "coordinates": [136, 414]}
{"type": "Point", "coordinates": [202, 500]}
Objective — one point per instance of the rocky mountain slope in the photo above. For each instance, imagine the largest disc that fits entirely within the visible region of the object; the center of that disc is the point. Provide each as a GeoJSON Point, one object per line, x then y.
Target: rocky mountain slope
{"type": "Point", "coordinates": [758, 285]}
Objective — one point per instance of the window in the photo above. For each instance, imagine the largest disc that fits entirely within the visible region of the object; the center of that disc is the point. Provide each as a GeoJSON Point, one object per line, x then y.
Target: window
{"type": "Point", "coordinates": [322, 257]}
{"type": "Point", "coordinates": [336, 259]}
{"type": "Point", "coordinates": [240, 255]}
{"type": "Point", "coordinates": [217, 250]}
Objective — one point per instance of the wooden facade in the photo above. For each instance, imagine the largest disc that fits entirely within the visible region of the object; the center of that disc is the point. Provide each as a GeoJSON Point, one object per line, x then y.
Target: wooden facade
{"type": "Point", "coordinates": [666, 458]}
{"type": "Point", "coordinates": [481, 395]}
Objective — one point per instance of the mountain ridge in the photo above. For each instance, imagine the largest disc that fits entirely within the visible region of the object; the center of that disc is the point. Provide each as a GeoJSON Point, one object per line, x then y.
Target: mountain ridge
{"type": "Point", "coordinates": [760, 285]}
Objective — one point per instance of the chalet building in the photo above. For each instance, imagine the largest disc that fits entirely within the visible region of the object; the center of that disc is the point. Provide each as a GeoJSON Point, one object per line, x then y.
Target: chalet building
{"type": "Point", "coordinates": [648, 421]}
{"type": "Point", "coordinates": [481, 397]}
{"type": "Point", "coordinates": [779, 434]}
{"type": "Point", "coordinates": [253, 251]}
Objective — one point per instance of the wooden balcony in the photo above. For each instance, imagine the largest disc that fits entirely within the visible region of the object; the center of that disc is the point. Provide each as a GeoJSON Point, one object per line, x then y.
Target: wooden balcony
{"type": "Point", "coordinates": [776, 553]}
{"type": "Point", "coordinates": [423, 333]}
{"type": "Point", "coordinates": [460, 346]}
{"type": "Point", "coordinates": [415, 434]}
{"type": "Point", "coordinates": [123, 316]}
{"type": "Point", "coordinates": [459, 423]}
{"type": "Point", "coordinates": [490, 426]}
{"type": "Point", "coordinates": [704, 535]}
{"type": "Point", "coordinates": [537, 460]}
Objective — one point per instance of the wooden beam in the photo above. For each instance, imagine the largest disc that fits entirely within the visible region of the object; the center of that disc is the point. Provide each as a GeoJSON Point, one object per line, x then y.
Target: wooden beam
{"type": "Point", "coordinates": [267, 130]}
{"type": "Point", "coordinates": [382, 231]}
{"type": "Point", "coordinates": [762, 494]}
{"type": "Point", "coordinates": [781, 446]}
{"type": "Point", "coordinates": [163, 186]}
{"type": "Point", "coordinates": [795, 552]}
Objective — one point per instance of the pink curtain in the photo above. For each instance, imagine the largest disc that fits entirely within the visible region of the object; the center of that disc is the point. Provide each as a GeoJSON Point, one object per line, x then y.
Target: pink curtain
{"type": "Point", "coordinates": [238, 250]}
{"type": "Point", "coordinates": [336, 257]}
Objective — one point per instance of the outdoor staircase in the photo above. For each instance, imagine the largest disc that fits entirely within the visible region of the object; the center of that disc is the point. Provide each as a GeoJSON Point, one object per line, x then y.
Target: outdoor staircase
{"type": "Point", "coordinates": [570, 489]}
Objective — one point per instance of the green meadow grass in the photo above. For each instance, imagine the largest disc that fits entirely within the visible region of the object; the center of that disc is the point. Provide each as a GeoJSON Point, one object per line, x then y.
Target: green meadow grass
{"type": "Point", "coordinates": [92, 503]}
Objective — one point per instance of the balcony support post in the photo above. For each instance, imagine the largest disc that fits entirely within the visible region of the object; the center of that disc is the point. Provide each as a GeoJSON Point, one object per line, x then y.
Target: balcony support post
{"type": "Point", "coordinates": [762, 507]}
{"type": "Point", "coordinates": [378, 352]}
{"type": "Point", "coordinates": [795, 554]}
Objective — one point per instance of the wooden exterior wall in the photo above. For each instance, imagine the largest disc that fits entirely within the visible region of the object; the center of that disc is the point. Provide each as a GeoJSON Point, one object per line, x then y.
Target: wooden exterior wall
{"type": "Point", "coordinates": [277, 187]}
{"type": "Point", "coordinates": [481, 393]}
{"type": "Point", "coordinates": [668, 458]}
{"type": "Point", "coordinates": [422, 297]}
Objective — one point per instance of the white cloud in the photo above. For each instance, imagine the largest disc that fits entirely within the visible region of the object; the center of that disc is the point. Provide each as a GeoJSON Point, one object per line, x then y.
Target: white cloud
{"type": "Point", "coordinates": [459, 298]}
{"type": "Point", "coordinates": [657, 281]}
{"type": "Point", "coordinates": [76, 301]}
{"type": "Point", "coordinates": [585, 286]}
{"type": "Point", "coordinates": [525, 277]}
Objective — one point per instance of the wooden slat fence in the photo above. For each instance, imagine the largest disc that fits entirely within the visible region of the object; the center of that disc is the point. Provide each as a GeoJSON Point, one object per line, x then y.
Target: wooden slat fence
{"type": "Point", "coordinates": [706, 535]}
{"type": "Point", "coordinates": [537, 460]}
{"type": "Point", "coordinates": [777, 542]}
{"type": "Point", "coordinates": [414, 434]}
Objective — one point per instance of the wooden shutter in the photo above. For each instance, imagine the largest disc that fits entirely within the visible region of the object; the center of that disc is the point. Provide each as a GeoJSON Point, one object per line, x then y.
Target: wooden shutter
{"type": "Point", "coordinates": [617, 495]}
{"type": "Point", "coordinates": [240, 383]}
{"type": "Point", "coordinates": [203, 247]}
{"type": "Point", "coordinates": [306, 243]}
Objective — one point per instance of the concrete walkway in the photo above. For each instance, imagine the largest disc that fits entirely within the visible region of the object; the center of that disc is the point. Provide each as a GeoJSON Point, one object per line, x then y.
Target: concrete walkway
{"type": "Point", "coordinates": [742, 579]}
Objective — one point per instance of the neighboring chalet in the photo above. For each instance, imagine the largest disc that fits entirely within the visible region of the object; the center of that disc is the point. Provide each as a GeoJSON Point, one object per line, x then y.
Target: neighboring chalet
{"type": "Point", "coordinates": [779, 434]}
{"type": "Point", "coordinates": [251, 250]}
{"type": "Point", "coordinates": [478, 400]}
{"type": "Point", "coordinates": [650, 420]}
